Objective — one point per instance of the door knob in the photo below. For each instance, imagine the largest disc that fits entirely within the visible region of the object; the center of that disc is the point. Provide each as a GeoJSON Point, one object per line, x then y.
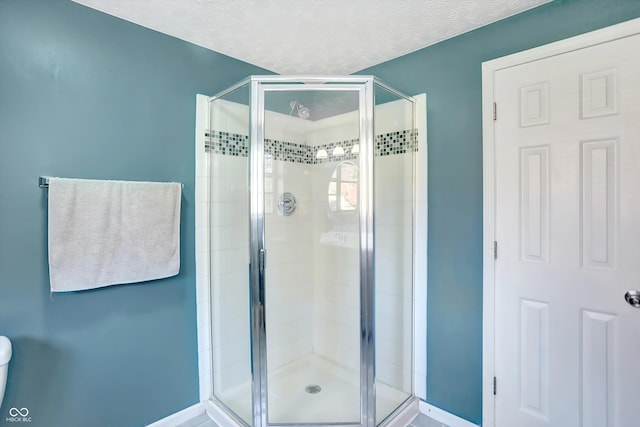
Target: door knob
{"type": "Point", "coordinates": [633, 298]}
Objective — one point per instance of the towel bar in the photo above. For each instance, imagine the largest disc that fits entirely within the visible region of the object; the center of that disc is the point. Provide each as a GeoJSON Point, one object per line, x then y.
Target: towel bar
{"type": "Point", "coordinates": [43, 182]}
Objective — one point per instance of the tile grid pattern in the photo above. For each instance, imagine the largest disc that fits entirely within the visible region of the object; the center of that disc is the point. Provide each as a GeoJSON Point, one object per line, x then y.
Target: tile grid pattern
{"type": "Point", "coordinates": [398, 142]}
{"type": "Point", "coordinates": [289, 151]}
{"type": "Point", "coordinates": [233, 144]}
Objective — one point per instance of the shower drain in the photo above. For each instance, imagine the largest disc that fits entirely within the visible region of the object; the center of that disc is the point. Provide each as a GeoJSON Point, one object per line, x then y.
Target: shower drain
{"type": "Point", "coordinates": [312, 388]}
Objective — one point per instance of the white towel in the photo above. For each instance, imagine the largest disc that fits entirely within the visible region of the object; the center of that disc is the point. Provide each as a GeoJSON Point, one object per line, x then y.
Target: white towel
{"type": "Point", "coordinates": [105, 233]}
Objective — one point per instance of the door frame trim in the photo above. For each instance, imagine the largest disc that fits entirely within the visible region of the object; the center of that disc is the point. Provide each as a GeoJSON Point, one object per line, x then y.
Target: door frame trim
{"type": "Point", "coordinates": [489, 70]}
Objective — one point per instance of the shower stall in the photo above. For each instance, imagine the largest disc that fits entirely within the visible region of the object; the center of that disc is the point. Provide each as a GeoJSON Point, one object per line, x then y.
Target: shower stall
{"type": "Point", "coordinates": [311, 243]}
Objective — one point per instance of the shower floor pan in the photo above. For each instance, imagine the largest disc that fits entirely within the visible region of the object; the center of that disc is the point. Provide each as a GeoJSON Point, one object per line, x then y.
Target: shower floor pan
{"type": "Point", "coordinates": [338, 399]}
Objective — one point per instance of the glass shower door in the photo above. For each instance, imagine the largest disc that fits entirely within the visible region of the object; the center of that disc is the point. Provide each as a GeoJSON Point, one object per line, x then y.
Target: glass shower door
{"type": "Point", "coordinates": [312, 265]}
{"type": "Point", "coordinates": [228, 143]}
{"type": "Point", "coordinates": [311, 300]}
{"type": "Point", "coordinates": [394, 200]}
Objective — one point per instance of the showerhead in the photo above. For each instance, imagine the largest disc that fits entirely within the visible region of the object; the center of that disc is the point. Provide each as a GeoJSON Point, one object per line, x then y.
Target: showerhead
{"type": "Point", "coordinates": [303, 112]}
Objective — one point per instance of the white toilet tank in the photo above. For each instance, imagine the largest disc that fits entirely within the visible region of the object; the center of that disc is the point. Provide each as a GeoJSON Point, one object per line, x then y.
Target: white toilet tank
{"type": "Point", "coordinates": [5, 356]}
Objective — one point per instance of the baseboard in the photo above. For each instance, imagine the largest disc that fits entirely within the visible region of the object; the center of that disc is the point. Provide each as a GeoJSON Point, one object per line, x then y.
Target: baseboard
{"type": "Point", "coordinates": [444, 416]}
{"type": "Point", "coordinates": [224, 420]}
{"type": "Point", "coordinates": [180, 417]}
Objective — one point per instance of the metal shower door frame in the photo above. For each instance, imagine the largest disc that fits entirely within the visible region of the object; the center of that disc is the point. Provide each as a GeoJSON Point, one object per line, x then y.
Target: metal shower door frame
{"type": "Point", "coordinates": [364, 86]}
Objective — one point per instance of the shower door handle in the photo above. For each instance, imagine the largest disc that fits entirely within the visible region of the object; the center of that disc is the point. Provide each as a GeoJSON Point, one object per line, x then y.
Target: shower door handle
{"type": "Point", "coordinates": [262, 264]}
{"type": "Point", "coordinates": [263, 261]}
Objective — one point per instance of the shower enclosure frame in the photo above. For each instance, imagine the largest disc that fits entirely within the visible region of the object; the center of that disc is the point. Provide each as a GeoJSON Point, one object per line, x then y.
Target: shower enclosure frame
{"type": "Point", "coordinates": [364, 86]}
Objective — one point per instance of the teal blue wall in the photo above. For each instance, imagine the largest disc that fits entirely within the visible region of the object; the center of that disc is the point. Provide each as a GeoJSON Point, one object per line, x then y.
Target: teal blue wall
{"type": "Point", "coordinates": [86, 95]}
{"type": "Point", "coordinates": [450, 74]}
{"type": "Point", "coordinates": [83, 94]}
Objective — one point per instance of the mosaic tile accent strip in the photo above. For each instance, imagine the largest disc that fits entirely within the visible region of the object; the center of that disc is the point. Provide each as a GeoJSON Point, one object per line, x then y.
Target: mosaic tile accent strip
{"type": "Point", "coordinates": [231, 144]}
{"type": "Point", "coordinates": [288, 151]}
{"type": "Point", "coordinates": [398, 142]}
{"type": "Point", "coordinates": [386, 144]}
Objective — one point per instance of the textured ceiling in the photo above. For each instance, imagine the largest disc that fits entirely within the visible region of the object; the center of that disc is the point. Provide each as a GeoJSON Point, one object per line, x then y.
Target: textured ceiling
{"type": "Point", "coordinates": [313, 36]}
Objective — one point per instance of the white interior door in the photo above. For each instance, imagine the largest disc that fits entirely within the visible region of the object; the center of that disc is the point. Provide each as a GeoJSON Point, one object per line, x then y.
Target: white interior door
{"type": "Point", "coordinates": [567, 156]}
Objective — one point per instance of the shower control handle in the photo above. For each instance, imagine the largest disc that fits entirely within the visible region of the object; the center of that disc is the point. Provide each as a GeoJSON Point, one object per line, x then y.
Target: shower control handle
{"type": "Point", "coordinates": [286, 204]}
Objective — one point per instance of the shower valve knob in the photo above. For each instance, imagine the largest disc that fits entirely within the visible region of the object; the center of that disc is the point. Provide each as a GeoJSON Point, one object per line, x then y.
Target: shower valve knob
{"type": "Point", "coordinates": [286, 204]}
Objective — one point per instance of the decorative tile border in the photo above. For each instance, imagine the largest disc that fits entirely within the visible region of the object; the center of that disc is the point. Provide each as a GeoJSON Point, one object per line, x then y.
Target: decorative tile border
{"type": "Point", "coordinates": [233, 144]}
{"type": "Point", "coordinates": [399, 142]}
{"type": "Point", "coordinates": [288, 151]}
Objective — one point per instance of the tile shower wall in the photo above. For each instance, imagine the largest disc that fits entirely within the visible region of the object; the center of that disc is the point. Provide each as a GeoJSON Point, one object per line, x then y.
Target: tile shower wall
{"type": "Point", "coordinates": [394, 205]}
{"type": "Point", "coordinates": [394, 269]}
{"type": "Point", "coordinates": [336, 275]}
{"type": "Point", "coordinates": [228, 249]}
{"type": "Point", "coordinates": [229, 260]}
{"type": "Point", "coordinates": [336, 309]}
{"type": "Point", "coordinates": [289, 284]}
{"type": "Point", "coordinates": [288, 288]}
{"type": "Point", "coordinates": [313, 259]}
